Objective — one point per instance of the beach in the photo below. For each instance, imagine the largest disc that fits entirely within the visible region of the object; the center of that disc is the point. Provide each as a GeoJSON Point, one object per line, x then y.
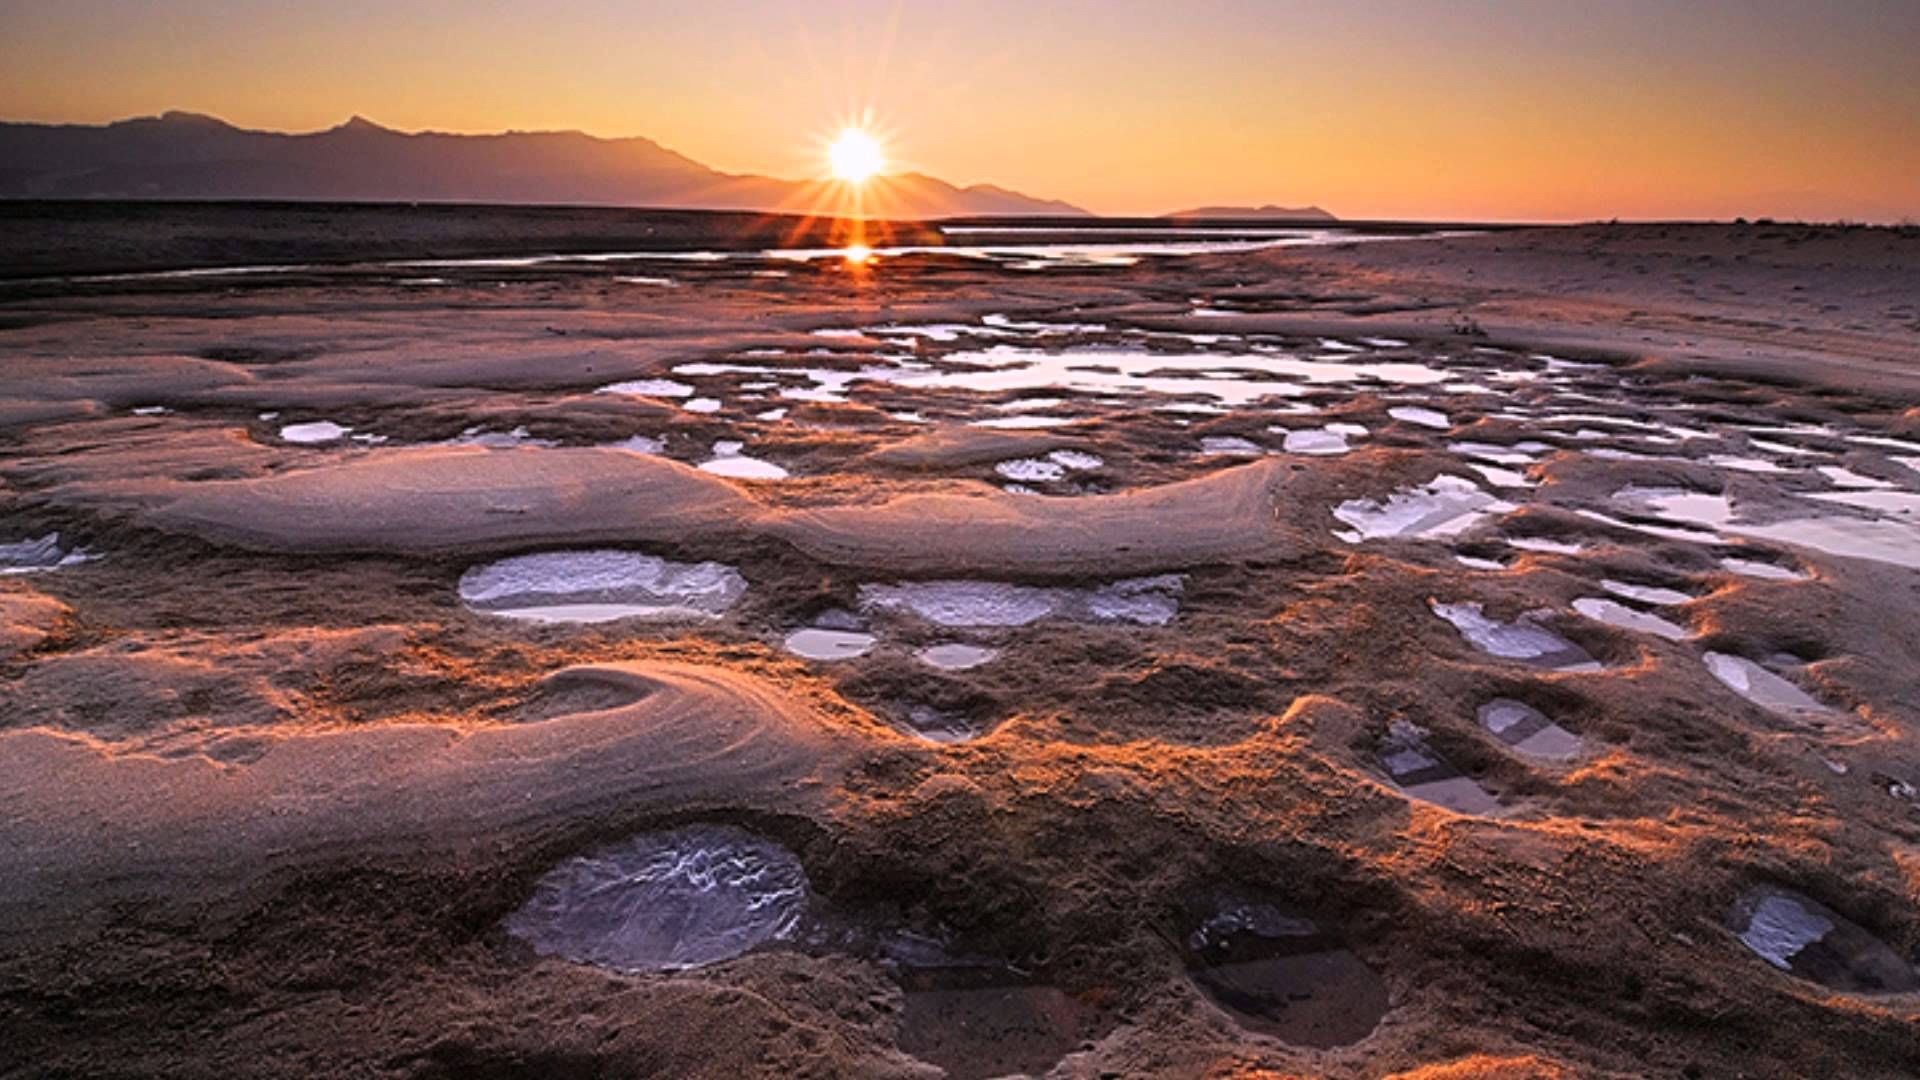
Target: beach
{"type": "Point", "coordinates": [1249, 649]}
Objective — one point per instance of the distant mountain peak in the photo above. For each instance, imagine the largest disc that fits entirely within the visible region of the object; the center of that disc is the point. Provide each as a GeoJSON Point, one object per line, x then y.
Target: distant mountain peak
{"type": "Point", "coordinates": [183, 118]}
{"type": "Point", "coordinates": [1296, 213]}
{"type": "Point", "coordinates": [183, 155]}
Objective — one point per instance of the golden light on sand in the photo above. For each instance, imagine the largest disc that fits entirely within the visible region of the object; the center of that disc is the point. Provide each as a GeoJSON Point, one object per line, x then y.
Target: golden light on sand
{"type": "Point", "coordinates": [854, 156]}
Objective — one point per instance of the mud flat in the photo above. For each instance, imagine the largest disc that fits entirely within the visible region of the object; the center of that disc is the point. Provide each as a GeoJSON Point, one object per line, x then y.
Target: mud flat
{"type": "Point", "coordinates": [460, 648]}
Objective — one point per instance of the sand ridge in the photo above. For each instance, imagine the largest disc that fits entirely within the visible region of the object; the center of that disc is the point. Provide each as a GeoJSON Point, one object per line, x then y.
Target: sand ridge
{"type": "Point", "coordinates": [686, 735]}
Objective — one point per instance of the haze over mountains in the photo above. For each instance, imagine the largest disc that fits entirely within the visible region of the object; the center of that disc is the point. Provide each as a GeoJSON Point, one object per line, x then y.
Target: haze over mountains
{"type": "Point", "coordinates": [182, 155]}
{"type": "Point", "coordinates": [1247, 213]}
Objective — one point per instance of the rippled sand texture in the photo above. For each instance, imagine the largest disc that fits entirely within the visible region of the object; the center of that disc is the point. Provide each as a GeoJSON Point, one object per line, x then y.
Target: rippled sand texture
{"type": "Point", "coordinates": [1471, 656]}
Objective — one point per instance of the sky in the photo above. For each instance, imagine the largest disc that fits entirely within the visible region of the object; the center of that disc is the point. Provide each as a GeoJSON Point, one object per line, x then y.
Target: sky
{"type": "Point", "coordinates": [1444, 110]}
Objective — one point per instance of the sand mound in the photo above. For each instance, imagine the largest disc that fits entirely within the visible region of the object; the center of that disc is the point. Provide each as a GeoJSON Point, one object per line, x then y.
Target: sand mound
{"type": "Point", "coordinates": [438, 500]}
{"type": "Point", "coordinates": [1224, 516]}
{"type": "Point", "coordinates": [690, 735]}
{"type": "Point", "coordinates": [431, 500]}
{"type": "Point", "coordinates": [121, 380]}
{"type": "Point", "coordinates": [953, 447]}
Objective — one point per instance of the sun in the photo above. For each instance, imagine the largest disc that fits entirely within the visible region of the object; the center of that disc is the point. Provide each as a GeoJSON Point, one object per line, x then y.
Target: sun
{"type": "Point", "coordinates": [855, 156]}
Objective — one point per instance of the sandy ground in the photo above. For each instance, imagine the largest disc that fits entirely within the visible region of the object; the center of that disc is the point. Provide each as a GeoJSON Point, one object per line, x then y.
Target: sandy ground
{"type": "Point", "coordinates": [270, 791]}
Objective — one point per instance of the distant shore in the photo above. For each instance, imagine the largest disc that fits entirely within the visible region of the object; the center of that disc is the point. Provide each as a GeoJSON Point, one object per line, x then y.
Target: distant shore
{"type": "Point", "coordinates": [41, 238]}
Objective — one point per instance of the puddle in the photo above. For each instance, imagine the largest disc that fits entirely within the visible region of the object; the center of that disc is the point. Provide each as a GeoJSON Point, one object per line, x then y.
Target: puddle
{"type": "Point", "coordinates": [1614, 613]}
{"type": "Point", "coordinates": [498, 440]}
{"type": "Point", "coordinates": [1522, 453]}
{"type": "Point", "coordinates": [937, 725]}
{"type": "Point", "coordinates": [1858, 538]}
{"type": "Point", "coordinates": [666, 900]}
{"type": "Point", "coordinates": [1024, 421]}
{"type": "Point", "coordinates": [34, 556]}
{"type": "Point", "coordinates": [313, 432]}
{"type": "Point", "coordinates": [1231, 444]}
{"type": "Point", "coordinates": [1031, 470]}
{"type": "Point", "coordinates": [599, 586]}
{"type": "Point", "coordinates": [1447, 506]}
{"type": "Point", "coordinates": [1805, 938]}
{"type": "Point", "coordinates": [1665, 532]}
{"type": "Point", "coordinates": [1878, 540]}
{"type": "Point", "coordinates": [1544, 544]}
{"type": "Point", "coordinates": [1677, 504]}
{"type": "Point", "coordinates": [1501, 477]}
{"type": "Point", "coordinates": [1328, 440]}
{"type": "Point", "coordinates": [1009, 368]}
{"type": "Point", "coordinates": [1523, 639]}
{"type": "Point", "coordinates": [1148, 601]}
{"type": "Point", "coordinates": [1766, 571]}
{"type": "Point", "coordinates": [1528, 731]}
{"type": "Point", "coordinates": [817, 643]}
{"type": "Point", "coordinates": [639, 444]}
{"type": "Point", "coordinates": [728, 461]}
{"type": "Point", "coordinates": [1904, 504]}
{"type": "Point", "coordinates": [1076, 460]}
{"type": "Point", "coordinates": [956, 655]}
{"type": "Point", "coordinates": [1646, 594]}
{"type": "Point", "coordinates": [978, 1018]}
{"type": "Point", "coordinates": [1281, 975]}
{"type": "Point", "coordinates": [1414, 414]}
{"type": "Point", "coordinates": [649, 388]}
{"type": "Point", "coordinates": [1423, 774]}
{"type": "Point", "coordinates": [1054, 466]}
{"type": "Point", "coordinates": [1745, 464]}
{"type": "Point", "coordinates": [1760, 686]}
{"type": "Point", "coordinates": [1840, 476]}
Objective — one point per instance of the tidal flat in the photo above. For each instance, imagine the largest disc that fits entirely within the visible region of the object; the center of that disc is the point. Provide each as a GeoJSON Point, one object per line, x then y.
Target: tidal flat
{"type": "Point", "coordinates": [449, 646]}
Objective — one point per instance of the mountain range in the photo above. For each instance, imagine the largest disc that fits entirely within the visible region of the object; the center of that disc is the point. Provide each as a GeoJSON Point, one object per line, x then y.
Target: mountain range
{"type": "Point", "coordinates": [181, 155]}
{"type": "Point", "coordinates": [1251, 213]}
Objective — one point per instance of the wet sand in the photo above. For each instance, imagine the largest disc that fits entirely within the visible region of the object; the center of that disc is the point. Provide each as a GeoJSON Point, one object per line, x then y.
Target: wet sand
{"type": "Point", "coordinates": [1473, 656]}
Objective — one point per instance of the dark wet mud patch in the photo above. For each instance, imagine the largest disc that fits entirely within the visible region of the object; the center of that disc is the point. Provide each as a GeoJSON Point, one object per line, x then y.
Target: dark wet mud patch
{"type": "Point", "coordinates": [1281, 974]}
{"type": "Point", "coordinates": [1805, 938]}
{"type": "Point", "coordinates": [255, 354]}
{"type": "Point", "coordinates": [570, 693]}
{"type": "Point", "coordinates": [917, 701]}
{"type": "Point", "coordinates": [985, 1020]}
{"type": "Point", "coordinates": [1183, 699]}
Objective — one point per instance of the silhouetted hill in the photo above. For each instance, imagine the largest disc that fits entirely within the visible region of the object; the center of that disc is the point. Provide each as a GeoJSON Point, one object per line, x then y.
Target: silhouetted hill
{"type": "Point", "coordinates": [1243, 213]}
{"type": "Point", "coordinates": [188, 156]}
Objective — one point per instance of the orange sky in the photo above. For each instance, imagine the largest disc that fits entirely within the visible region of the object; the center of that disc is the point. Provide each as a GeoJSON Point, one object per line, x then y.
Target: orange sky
{"type": "Point", "coordinates": [1463, 109]}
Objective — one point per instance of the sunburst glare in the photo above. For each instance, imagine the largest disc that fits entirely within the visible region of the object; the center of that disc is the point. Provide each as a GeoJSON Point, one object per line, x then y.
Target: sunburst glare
{"type": "Point", "coordinates": [855, 156]}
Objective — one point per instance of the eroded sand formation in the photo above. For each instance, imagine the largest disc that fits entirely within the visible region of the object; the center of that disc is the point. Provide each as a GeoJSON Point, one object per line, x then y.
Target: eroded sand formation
{"type": "Point", "coordinates": [1324, 661]}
